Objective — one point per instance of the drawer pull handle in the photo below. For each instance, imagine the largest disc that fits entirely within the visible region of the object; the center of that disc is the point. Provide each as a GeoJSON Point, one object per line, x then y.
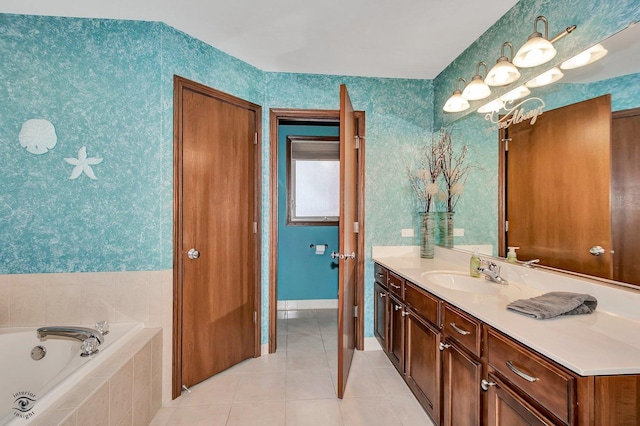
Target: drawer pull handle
{"type": "Point", "coordinates": [397, 307]}
{"type": "Point", "coordinates": [380, 274]}
{"type": "Point", "coordinates": [383, 295]}
{"type": "Point", "coordinates": [444, 346]}
{"type": "Point", "coordinates": [458, 329]}
{"type": "Point", "coordinates": [525, 376]}
{"type": "Point", "coordinates": [393, 285]}
{"type": "Point", "coordinates": [485, 384]}
{"type": "Point", "coordinates": [405, 313]}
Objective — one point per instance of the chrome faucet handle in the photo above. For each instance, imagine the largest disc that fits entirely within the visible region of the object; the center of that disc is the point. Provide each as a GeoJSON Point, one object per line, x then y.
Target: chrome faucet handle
{"type": "Point", "coordinates": [102, 327]}
{"type": "Point", "coordinates": [89, 347]}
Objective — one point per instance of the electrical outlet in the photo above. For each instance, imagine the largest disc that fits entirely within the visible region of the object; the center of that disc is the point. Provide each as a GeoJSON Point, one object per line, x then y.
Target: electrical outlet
{"type": "Point", "coordinates": [458, 232]}
{"type": "Point", "coordinates": [407, 232]}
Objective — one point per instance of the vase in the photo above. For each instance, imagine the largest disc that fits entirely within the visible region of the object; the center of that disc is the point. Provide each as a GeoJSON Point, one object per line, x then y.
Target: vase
{"type": "Point", "coordinates": [445, 229]}
{"type": "Point", "coordinates": [427, 234]}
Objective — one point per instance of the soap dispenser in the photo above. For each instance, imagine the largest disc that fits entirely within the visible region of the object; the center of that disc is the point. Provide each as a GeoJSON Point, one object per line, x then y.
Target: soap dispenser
{"type": "Point", "coordinates": [474, 264]}
{"type": "Point", "coordinates": [511, 255]}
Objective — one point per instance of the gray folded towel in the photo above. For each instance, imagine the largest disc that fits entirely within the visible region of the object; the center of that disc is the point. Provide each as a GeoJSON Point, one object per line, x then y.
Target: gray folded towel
{"type": "Point", "coordinates": [553, 304]}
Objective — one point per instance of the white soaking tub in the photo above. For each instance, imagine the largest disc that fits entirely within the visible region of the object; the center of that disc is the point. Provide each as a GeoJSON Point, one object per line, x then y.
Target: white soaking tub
{"type": "Point", "coordinates": [28, 386]}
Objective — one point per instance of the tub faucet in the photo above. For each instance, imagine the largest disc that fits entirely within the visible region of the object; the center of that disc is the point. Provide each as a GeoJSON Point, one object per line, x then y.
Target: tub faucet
{"type": "Point", "coordinates": [491, 272]}
{"type": "Point", "coordinates": [78, 333]}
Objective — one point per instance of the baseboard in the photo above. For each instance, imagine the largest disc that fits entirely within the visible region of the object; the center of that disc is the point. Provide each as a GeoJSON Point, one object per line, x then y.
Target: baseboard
{"type": "Point", "coordinates": [294, 305]}
{"type": "Point", "coordinates": [372, 344]}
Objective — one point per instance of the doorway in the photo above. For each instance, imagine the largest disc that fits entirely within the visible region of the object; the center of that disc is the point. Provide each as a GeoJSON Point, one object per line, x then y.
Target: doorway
{"type": "Point", "coordinates": [315, 117]}
{"type": "Point", "coordinates": [216, 232]}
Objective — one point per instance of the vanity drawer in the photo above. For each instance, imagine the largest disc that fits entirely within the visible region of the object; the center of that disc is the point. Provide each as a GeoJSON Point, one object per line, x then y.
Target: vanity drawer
{"type": "Point", "coordinates": [464, 328]}
{"type": "Point", "coordinates": [380, 275]}
{"type": "Point", "coordinates": [422, 303]}
{"type": "Point", "coordinates": [395, 284]}
{"type": "Point", "coordinates": [538, 378]}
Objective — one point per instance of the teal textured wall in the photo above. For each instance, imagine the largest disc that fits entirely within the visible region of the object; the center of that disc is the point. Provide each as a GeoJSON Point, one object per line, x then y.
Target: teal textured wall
{"type": "Point", "coordinates": [302, 274]}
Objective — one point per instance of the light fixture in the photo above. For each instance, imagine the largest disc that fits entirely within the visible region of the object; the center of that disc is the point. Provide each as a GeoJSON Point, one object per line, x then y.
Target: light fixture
{"type": "Point", "coordinates": [503, 72]}
{"type": "Point", "coordinates": [477, 88]}
{"type": "Point", "coordinates": [537, 50]}
{"type": "Point", "coordinates": [493, 106]}
{"type": "Point", "coordinates": [547, 77]}
{"type": "Point", "coordinates": [587, 57]}
{"type": "Point", "coordinates": [456, 102]}
{"type": "Point", "coordinates": [517, 93]}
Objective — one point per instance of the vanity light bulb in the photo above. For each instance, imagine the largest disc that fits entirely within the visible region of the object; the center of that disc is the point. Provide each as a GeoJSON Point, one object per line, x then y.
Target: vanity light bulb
{"type": "Point", "coordinates": [582, 58]}
{"type": "Point", "coordinates": [589, 56]}
{"type": "Point", "coordinates": [501, 77]}
{"type": "Point", "coordinates": [534, 56]}
{"type": "Point", "coordinates": [548, 77]}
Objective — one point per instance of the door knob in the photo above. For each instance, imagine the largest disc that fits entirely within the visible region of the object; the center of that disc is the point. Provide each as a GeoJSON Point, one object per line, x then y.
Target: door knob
{"type": "Point", "coordinates": [193, 254]}
{"type": "Point", "coordinates": [596, 251]}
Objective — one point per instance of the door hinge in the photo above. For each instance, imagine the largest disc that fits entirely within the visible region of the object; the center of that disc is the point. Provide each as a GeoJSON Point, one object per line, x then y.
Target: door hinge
{"type": "Point", "coordinates": [255, 138]}
{"type": "Point", "coordinates": [506, 143]}
{"type": "Point", "coordinates": [255, 227]}
{"type": "Point", "coordinates": [255, 317]}
{"type": "Point", "coordinates": [506, 226]}
{"type": "Point", "coordinates": [357, 138]}
{"type": "Point", "coordinates": [356, 227]}
{"type": "Point", "coordinates": [355, 311]}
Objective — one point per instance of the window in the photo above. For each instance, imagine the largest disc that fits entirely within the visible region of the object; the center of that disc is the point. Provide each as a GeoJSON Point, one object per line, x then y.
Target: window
{"type": "Point", "coordinates": [313, 180]}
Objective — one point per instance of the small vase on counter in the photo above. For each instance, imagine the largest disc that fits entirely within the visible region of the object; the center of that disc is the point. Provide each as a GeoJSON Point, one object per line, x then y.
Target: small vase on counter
{"type": "Point", "coordinates": [445, 229]}
{"type": "Point", "coordinates": [427, 234]}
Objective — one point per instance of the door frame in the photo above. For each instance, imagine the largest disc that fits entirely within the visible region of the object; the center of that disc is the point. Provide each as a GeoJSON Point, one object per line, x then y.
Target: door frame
{"type": "Point", "coordinates": [277, 115]}
{"type": "Point", "coordinates": [179, 84]}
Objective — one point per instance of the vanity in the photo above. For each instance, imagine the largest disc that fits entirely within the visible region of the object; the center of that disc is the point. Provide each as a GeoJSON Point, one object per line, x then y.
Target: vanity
{"type": "Point", "coordinates": [469, 361]}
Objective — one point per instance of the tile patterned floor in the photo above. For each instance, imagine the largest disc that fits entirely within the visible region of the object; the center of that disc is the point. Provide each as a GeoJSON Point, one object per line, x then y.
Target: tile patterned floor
{"type": "Point", "coordinates": [296, 385]}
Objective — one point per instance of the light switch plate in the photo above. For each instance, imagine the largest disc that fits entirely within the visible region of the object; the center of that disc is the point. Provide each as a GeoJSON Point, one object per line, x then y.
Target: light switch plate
{"type": "Point", "coordinates": [407, 232]}
{"type": "Point", "coordinates": [458, 232]}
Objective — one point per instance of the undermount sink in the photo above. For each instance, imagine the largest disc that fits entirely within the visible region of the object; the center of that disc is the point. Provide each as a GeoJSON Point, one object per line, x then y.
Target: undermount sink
{"type": "Point", "coordinates": [459, 281]}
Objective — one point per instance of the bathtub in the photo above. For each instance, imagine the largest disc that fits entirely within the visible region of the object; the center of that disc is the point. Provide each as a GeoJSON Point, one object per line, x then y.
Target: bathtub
{"type": "Point", "coordinates": [29, 387]}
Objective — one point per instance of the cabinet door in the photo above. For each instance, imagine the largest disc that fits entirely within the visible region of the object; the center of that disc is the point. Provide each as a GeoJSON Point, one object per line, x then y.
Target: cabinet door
{"type": "Point", "coordinates": [462, 403]}
{"type": "Point", "coordinates": [422, 363]}
{"type": "Point", "coordinates": [396, 333]}
{"type": "Point", "coordinates": [380, 323]}
{"type": "Point", "coordinates": [507, 408]}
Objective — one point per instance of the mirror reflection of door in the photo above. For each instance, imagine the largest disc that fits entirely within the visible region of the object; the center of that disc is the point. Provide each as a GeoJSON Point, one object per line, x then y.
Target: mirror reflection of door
{"type": "Point", "coordinates": [557, 188]}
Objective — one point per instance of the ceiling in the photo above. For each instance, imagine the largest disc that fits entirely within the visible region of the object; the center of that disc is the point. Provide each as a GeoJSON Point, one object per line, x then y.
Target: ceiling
{"type": "Point", "coordinates": [371, 38]}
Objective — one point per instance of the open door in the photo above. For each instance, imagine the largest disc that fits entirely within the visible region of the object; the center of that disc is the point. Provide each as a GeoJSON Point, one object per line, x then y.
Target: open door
{"type": "Point", "coordinates": [557, 188]}
{"type": "Point", "coordinates": [347, 238]}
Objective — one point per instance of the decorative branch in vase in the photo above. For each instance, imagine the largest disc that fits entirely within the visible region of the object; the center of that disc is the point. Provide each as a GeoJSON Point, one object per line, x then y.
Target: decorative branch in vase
{"type": "Point", "coordinates": [455, 173]}
{"type": "Point", "coordinates": [423, 182]}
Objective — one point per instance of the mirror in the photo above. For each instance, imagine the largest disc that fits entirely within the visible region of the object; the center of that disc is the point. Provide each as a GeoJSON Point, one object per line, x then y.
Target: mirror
{"type": "Point", "coordinates": [618, 74]}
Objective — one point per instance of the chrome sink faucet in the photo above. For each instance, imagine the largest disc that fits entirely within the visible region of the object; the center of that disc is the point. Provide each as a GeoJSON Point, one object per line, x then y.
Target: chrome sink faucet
{"type": "Point", "coordinates": [491, 272]}
{"type": "Point", "coordinates": [89, 337]}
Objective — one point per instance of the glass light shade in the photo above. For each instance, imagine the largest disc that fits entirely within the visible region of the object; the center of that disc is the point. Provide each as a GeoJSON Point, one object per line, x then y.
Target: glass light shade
{"type": "Point", "coordinates": [536, 51]}
{"type": "Point", "coordinates": [493, 106]}
{"type": "Point", "coordinates": [456, 103]}
{"type": "Point", "coordinates": [517, 93]}
{"type": "Point", "coordinates": [587, 57]}
{"type": "Point", "coordinates": [548, 77]}
{"type": "Point", "coordinates": [476, 89]}
{"type": "Point", "coordinates": [502, 73]}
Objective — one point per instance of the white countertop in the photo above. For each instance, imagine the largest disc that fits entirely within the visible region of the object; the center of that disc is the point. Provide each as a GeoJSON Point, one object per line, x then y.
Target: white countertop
{"type": "Point", "coordinates": [602, 343]}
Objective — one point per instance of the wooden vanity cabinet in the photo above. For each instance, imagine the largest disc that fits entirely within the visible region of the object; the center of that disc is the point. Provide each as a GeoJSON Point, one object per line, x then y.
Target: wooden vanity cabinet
{"type": "Point", "coordinates": [395, 346]}
{"type": "Point", "coordinates": [422, 352]}
{"type": "Point", "coordinates": [508, 408]}
{"type": "Point", "coordinates": [380, 313]}
{"type": "Point", "coordinates": [462, 368]}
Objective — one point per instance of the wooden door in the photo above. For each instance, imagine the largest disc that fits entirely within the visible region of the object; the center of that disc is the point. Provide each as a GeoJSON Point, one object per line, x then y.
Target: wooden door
{"type": "Point", "coordinates": [461, 376]}
{"type": "Point", "coordinates": [507, 408]}
{"type": "Point", "coordinates": [217, 182]}
{"type": "Point", "coordinates": [422, 363]}
{"type": "Point", "coordinates": [347, 238]}
{"type": "Point", "coordinates": [558, 179]}
{"type": "Point", "coordinates": [625, 188]}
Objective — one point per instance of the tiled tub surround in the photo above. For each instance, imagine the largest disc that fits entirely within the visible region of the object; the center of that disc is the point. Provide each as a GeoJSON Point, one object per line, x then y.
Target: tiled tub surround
{"type": "Point", "coordinates": [606, 342]}
{"type": "Point", "coordinates": [88, 297]}
{"type": "Point", "coordinates": [126, 389]}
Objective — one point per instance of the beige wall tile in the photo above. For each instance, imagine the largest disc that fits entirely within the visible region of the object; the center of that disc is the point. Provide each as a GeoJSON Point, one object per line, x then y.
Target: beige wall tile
{"type": "Point", "coordinates": [5, 291]}
{"type": "Point", "coordinates": [142, 408]}
{"type": "Point", "coordinates": [141, 370]}
{"type": "Point", "coordinates": [63, 299]}
{"type": "Point", "coordinates": [127, 420]}
{"type": "Point", "coordinates": [132, 297]}
{"type": "Point", "coordinates": [121, 393]}
{"type": "Point", "coordinates": [98, 297]}
{"type": "Point", "coordinates": [95, 410]}
{"type": "Point", "coordinates": [156, 394]}
{"type": "Point", "coordinates": [27, 299]}
{"type": "Point", "coordinates": [156, 355]}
